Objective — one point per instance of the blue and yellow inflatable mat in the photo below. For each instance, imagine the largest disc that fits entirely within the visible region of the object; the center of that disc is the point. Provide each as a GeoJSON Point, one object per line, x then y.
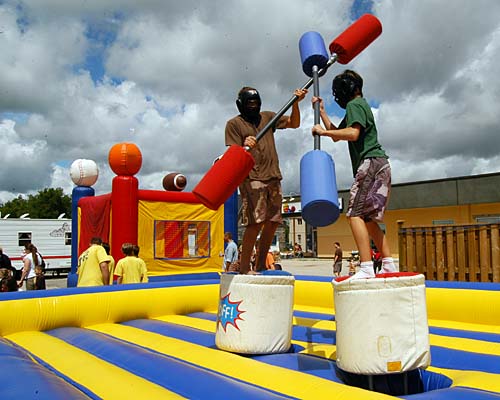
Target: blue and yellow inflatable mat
{"type": "Point", "coordinates": [156, 341]}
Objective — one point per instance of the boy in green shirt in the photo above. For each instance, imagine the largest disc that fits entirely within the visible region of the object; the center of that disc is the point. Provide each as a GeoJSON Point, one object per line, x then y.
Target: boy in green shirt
{"type": "Point", "coordinates": [372, 173]}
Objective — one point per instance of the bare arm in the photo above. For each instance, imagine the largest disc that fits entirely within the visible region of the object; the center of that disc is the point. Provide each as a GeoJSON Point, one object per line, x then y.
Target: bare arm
{"type": "Point", "coordinates": [105, 272]}
{"type": "Point", "coordinates": [26, 271]}
{"type": "Point", "coordinates": [322, 113]}
{"type": "Point", "coordinates": [350, 134]}
{"type": "Point", "coordinates": [292, 121]}
{"type": "Point", "coordinates": [294, 118]}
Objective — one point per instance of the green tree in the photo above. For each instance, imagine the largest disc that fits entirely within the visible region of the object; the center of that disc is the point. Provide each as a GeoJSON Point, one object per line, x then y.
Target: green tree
{"type": "Point", "coordinates": [15, 207]}
{"type": "Point", "coordinates": [47, 203]}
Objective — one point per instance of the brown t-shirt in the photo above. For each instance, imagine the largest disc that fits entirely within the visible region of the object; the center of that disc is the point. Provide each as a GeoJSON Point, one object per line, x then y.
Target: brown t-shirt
{"type": "Point", "coordinates": [264, 153]}
{"type": "Point", "coordinates": [338, 255]}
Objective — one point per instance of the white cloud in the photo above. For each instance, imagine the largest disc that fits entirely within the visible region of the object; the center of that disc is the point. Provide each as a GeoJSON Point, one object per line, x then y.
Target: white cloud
{"type": "Point", "coordinates": [172, 71]}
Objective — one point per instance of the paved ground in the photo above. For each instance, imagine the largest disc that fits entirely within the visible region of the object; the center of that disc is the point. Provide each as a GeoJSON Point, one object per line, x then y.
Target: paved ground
{"type": "Point", "coordinates": [315, 266]}
{"type": "Point", "coordinates": [56, 282]}
{"type": "Point", "coordinates": [297, 266]}
{"type": "Point", "coordinates": [311, 266]}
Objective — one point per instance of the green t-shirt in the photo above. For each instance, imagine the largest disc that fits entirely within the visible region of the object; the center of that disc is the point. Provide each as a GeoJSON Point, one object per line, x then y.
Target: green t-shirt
{"type": "Point", "coordinates": [367, 145]}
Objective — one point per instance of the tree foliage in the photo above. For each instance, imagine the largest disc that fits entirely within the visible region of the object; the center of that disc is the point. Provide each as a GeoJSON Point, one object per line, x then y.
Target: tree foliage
{"type": "Point", "coordinates": [47, 203]}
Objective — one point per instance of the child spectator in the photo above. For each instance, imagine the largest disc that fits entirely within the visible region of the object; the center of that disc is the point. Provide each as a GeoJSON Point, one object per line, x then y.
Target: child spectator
{"type": "Point", "coordinates": [270, 260]}
{"type": "Point", "coordinates": [4, 275]}
{"type": "Point", "coordinates": [39, 278]}
{"type": "Point", "coordinates": [7, 264]}
{"type": "Point", "coordinates": [8, 281]}
{"type": "Point", "coordinates": [377, 260]}
{"type": "Point", "coordinates": [111, 264]}
{"type": "Point", "coordinates": [143, 264]}
{"type": "Point", "coordinates": [131, 269]}
{"type": "Point", "coordinates": [353, 263]}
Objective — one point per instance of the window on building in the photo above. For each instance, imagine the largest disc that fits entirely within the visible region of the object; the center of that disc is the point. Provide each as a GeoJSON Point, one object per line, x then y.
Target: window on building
{"type": "Point", "coordinates": [23, 238]}
{"type": "Point", "coordinates": [67, 238]}
{"type": "Point", "coordinates": [299, 238]}
{"type": "Point", "coordinates": [443, 222]}
{"type": "Point", "coordinates": [487, 219]}
{"type": "Point", "coordinates": [299, 221]}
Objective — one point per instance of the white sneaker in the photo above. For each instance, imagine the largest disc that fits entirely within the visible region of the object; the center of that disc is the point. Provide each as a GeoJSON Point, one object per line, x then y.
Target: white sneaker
{"type": "Point", "coordinates": [389, 268]}
{"type": "Point", "coordinates": [363, 274]}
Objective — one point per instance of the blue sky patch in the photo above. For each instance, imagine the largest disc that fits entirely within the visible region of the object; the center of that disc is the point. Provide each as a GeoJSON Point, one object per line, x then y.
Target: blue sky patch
{"type": "Point", "coordinates": [18, 117]}
{"type": "Point", "coordinates": [101, 34]}
{"type": "Point", "coordinates": [360, 7]}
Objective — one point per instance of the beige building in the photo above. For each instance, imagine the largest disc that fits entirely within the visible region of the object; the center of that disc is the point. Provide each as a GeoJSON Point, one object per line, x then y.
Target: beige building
{"type": "Point", "coordinates": [463, 200]}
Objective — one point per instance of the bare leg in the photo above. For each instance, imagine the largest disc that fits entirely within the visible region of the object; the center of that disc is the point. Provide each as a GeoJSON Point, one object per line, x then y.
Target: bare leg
{"type": "Point", "coordinates": [379, 238]}
{"type": "Point", "coordinates": [248, 242]}
{"type": "Point", "coordinates": [266, 238]}
{"type": "Point", "coordinates": [361, 237]}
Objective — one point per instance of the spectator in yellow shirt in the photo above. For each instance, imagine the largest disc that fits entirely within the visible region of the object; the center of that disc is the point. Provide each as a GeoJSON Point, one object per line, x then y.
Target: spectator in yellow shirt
{"type": "Point", "coordinates": [93, 265]}
{"type": "Point", "coordinates": [107, 247]}
{"type": "Point", "coordinates": [130, 269]}
{"type": "Point", "coordinates": [136, 254]}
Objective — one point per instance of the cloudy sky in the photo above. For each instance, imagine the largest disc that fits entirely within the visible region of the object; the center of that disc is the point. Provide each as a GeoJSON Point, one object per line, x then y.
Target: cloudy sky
{"type": "Point", "coordinates": [79, 76]}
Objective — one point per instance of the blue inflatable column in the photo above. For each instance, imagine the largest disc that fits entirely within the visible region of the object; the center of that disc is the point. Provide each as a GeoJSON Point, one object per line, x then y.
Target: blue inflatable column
{"type": "Point", "coordinates": [231, 215]}
{"type": "Point", "coordinates": [318, 187]}
{"type": "Point", "coordinates": [76, 195]}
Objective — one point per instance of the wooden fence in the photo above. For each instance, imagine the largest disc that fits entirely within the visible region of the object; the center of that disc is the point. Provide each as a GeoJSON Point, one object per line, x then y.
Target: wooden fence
{"type": "Point", "coordinates": [467, 253]}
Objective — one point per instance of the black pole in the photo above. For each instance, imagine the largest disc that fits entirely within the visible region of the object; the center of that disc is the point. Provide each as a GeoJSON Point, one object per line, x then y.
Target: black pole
{"type": "Point", "coordinates": [293, 99]}
{"type": "Point", "coordinates": [317, 138]}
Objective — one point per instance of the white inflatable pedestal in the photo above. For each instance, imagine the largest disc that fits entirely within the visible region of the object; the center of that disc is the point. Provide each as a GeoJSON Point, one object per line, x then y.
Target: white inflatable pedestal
{"type": "Point", "coordinates": [255, 313]}
{"type": "Point", "coordinates": [382, 324]}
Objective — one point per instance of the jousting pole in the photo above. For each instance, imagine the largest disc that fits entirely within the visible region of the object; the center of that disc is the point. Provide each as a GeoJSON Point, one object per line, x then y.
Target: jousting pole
{"type": "Point", "coordinates": [223, 178]}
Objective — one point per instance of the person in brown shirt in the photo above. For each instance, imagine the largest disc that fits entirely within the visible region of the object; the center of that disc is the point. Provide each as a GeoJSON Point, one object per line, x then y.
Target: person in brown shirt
{"type": "Point", "coordinates": [261, 192]}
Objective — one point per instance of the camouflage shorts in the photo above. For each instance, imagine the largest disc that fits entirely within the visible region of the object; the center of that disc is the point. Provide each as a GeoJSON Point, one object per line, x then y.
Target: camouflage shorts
{"type": "Point", "coordinates": [261, 201]}
{"type": "Point", "coordinates": [370, 191]}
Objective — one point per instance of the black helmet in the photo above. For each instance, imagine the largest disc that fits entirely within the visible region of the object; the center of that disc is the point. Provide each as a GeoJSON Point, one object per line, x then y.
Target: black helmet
{"type": "Point", "coordinates": [344, 87]}
{"type": "Point", "coordinates": [245, 95]}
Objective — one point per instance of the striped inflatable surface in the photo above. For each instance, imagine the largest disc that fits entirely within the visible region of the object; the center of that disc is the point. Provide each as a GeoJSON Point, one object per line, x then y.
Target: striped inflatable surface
{"type": "Point", "coordinates": [157, 340]}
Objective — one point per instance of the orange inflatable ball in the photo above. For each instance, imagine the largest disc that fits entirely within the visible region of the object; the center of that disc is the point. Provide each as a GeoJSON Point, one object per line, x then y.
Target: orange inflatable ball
{"type": "Point", "coordinates": [125, 159]}
{"type": "Point", "coordinates": [174, 181]}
